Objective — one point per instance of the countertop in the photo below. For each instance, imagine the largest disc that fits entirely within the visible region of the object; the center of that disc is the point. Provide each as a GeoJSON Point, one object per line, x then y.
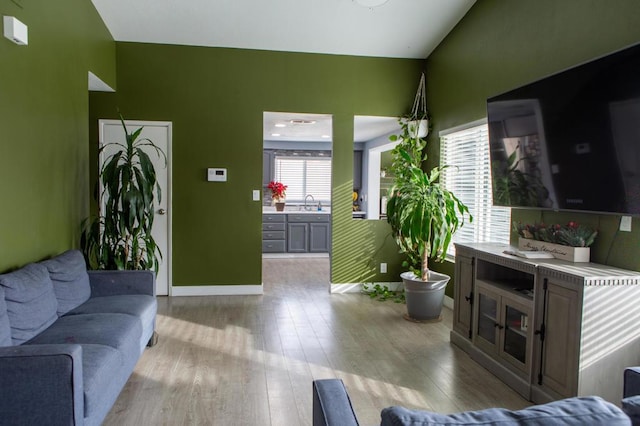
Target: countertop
{"type": "Point", "coordinates": [295, 210]}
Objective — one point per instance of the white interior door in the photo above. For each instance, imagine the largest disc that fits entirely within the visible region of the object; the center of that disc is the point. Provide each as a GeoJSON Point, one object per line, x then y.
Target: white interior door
{"type": "Point", "coordinates": [160, 133]}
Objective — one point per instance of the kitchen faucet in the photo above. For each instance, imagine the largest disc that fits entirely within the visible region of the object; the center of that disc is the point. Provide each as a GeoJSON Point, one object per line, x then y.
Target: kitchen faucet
{"type": "Point", "coordinates": [313, 200]}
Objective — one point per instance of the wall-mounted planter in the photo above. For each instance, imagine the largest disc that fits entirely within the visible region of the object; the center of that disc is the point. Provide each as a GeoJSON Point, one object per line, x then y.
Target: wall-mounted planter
{"type": "Point", "coordinates": [572, 254]}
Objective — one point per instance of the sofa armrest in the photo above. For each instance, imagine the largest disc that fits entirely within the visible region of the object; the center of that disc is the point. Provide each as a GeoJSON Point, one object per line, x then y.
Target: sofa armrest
{"type": "Point", "coordinates": [112, 283]}
{"type": "Point", "coordinates": [331, 404]}
{"type": "Point", "coordinates": [631, 382]}
{"type": "Point", "coordinates": [42, 384]}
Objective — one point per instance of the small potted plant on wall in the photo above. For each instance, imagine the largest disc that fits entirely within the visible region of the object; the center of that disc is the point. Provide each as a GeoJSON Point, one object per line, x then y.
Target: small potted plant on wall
{"type": "Point", "coordinates": [278, 194]}
{"type": "Point", "coordinates": [423, 216]}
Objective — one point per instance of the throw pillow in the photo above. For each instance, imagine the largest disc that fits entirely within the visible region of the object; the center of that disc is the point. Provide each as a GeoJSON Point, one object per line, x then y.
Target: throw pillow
{"type": "Point", "coordinates": [5, 328]}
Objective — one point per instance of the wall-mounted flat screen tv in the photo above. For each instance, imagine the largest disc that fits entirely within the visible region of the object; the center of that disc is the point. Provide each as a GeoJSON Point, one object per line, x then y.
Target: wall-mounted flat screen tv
{"type": "Point", "coordinates": [570, 141]}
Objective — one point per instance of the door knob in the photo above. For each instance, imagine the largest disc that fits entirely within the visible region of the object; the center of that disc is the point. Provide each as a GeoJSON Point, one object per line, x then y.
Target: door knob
{"type": "Point", "coordinates": [162, 211]}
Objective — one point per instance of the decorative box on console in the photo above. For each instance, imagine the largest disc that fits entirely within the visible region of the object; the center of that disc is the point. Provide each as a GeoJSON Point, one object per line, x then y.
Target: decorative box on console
{"type": "Point", "coordinates": [572, 254]}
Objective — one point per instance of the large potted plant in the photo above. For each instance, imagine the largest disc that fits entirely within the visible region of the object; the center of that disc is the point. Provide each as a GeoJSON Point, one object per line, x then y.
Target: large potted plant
{"type": "Point", "coordinates": [423, 216]}
{"type": "Point", "coordinates": [120, 236]}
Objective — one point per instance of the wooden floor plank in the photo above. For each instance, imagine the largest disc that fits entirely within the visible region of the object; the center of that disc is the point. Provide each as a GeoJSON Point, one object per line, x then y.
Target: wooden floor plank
{"type": "Point", "coordinates": [250, 360]}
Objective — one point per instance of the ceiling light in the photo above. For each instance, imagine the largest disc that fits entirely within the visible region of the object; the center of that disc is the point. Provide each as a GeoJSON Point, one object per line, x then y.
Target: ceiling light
{"type": "Point", "coordinates": [281, 125]}
{"type": "Point", "coordinates": [370, 3]}
{"type": "Point", "coordinates": [275, 134]}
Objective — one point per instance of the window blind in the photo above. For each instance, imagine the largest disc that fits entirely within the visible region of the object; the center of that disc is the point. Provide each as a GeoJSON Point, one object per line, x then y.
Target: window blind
{"type": "Point", "coordinates": [305, 176]}
{"type": "Point", "coordinates": [466, 151]}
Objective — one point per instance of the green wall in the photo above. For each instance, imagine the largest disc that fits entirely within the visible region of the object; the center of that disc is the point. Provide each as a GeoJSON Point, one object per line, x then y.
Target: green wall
{"type": "Point", "coordinates": [215, 98]}
{"type": "Point", "coordinates": [500, 45]}
{"type": "Point", "coordinates": [44, 105]}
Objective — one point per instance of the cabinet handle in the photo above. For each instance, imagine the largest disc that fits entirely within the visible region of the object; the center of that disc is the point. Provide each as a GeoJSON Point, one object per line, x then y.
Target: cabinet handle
{"type": "Point", "coordinates": [500, 327]}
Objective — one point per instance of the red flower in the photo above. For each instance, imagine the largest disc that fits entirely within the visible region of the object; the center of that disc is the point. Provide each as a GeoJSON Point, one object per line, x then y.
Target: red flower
{"type": "Point", "coordinates": [277, 190]}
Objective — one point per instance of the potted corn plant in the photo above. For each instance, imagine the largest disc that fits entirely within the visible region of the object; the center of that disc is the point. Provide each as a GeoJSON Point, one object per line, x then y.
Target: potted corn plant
{"type": "Point", "coordinates": [423, 216]}
{"type": "Point", "coordinates": [120, 236]}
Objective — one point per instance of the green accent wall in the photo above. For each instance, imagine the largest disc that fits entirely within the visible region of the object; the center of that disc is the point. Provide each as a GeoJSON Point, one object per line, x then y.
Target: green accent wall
{"type": "Point", "coordinates": [500, 45]}
{"type": "Point", "coordinates": [215, 98]}
{"type": "Point", "coordinates": [44, 106]}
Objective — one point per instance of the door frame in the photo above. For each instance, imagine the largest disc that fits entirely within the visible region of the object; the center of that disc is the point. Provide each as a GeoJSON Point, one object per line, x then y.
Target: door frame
{"type": "Point", "coordinates": [167, 257]}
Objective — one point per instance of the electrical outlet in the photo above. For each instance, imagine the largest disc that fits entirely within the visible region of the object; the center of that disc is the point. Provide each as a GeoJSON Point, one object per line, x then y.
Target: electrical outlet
{"type": "Point", "coordinates": [625, 223]}
{"type": "Point", "coordinates": [383, 268]}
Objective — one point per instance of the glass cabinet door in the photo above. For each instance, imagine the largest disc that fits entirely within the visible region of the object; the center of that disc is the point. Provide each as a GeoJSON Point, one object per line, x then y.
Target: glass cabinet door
{"type": "Point", "coordinates": [487, 325]}
{"type": "Point", "coordinates": [515, 340]}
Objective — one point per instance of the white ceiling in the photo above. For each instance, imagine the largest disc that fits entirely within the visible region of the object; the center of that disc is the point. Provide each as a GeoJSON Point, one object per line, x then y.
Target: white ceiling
{"type": "Point", "coordinates": [396, 29]}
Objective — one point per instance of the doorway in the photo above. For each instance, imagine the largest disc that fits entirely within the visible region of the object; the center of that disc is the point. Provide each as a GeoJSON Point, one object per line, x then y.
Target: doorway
{"type": "Point", "coordinates": [297, 154]}
{"type": "Point", "coordinates": [160, 133]}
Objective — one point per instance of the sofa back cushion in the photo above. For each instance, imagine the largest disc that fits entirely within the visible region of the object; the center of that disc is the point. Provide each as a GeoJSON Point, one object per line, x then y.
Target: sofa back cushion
{"type": "Point", "coordinates": [5, 329]}
{"type": "Point", "coordinates": [68, 273]}
{"type": "Point", "coordinates": [31, 303]}
{"type": "Point", "coordinates": [592, 411]}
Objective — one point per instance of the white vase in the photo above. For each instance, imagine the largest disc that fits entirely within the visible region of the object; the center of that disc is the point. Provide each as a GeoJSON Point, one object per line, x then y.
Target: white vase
{"type": "Point", "coordinates": [419, 128]}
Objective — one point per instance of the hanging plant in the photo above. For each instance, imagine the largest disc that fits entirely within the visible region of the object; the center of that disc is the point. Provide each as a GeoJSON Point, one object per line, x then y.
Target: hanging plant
{"type": "Point", "coordinates": [120, 237]}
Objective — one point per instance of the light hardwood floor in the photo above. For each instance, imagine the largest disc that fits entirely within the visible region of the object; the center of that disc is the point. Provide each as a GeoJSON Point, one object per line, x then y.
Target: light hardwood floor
{"type": "Point", "coordinates": [250, 360]}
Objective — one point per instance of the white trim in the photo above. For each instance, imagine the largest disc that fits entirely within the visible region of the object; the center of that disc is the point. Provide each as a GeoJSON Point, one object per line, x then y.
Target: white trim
{"type": "Point", "coordinates": [463, 127]}
{"type": "Point", "coordinates": [217, 290]}
{"type": "Point", "coordinates": [357, 287]}
{"type": "Point", "coordinates": [294, 255]}
{"type": "Point", "coordinates": [448, 302]}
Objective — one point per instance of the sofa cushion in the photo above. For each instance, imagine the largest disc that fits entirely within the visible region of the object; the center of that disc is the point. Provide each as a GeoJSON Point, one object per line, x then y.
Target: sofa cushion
{"type": "Point", "coordinates": [5, 329]}
{"type": "Point", "coordinates": [100, 364]}
{"type": "Point", "coordinates": [590, 411]}
{"type": "Point", "coordinates": [31, 302]}
{"type": "Point", "coordinates": [141, 306]}
{"type": "Point", "coordinates": [119, 331]}
{"type": "Point", "coordinates": [68, 273]}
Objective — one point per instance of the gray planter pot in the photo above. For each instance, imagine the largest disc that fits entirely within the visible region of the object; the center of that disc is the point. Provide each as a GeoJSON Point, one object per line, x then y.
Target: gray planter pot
{"type": "Point", "coordinates": [424, 298]}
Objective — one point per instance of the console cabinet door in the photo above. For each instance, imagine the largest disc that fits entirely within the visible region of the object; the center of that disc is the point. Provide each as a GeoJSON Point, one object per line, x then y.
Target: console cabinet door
{"type": "Point", "coordinates": [486, 328]}
{"type": "Point", "coordinates": [558, 342]}
{"type": "Point", "coordinates": [463, 295]}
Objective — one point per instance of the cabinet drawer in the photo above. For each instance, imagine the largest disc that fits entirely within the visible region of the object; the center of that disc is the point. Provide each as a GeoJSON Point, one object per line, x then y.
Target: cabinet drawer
{"type": "Point", "coordinates": [273, 226]}
{"type": "Point", "coordinates": [308, 218]}
{"type": "Point", "coordinates": [273, 246]}
{"type": "Point", "coordinates": [278, 218]}
{"type": "Point", "coordinates": [273, 235]}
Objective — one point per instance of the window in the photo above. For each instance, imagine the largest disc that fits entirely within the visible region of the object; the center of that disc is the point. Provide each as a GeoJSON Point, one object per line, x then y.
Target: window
{"type": "Point", "coordinates": [466, 150]}
{"type": "Point", "coordinates": [305, 176]}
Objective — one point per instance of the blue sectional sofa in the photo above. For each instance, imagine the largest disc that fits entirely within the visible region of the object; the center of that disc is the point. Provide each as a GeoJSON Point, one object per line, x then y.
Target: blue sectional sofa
{"type": "Point", "coordinates": [332, 407]}
{"type": "Point", "coordinates": [70, 339]}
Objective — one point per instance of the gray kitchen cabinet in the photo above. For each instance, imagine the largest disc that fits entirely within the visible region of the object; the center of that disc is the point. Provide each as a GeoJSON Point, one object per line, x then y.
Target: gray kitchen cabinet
{"type": "Point", "coordinates": [319, 237]}
{"type": "Point", "coordinates": [267, 167]}
{"type": "Point", "coordinates": [298, 237]}
{"type": "Point", "coordinates": [274, 233]}
{"type": "Point", "coordinates": [357, 170]}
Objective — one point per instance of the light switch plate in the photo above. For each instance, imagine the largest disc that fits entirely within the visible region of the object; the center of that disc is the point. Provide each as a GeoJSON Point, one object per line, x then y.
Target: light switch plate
{"type": "Point", "coordinates": [625, 223]}
{"type": "Point", "coordinates": [256, 195]}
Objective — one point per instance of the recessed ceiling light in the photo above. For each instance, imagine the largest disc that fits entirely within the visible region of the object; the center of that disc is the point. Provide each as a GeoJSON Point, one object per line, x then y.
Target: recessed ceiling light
{"type": "Point", "coordinates": [281, 125]}
{"type": "Point", "coordinates": [275, 134]}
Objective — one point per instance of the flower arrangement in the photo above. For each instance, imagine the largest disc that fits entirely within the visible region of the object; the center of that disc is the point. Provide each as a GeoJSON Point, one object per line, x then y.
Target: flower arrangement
{"type": "Point", "coordinates": [572, 234]}
{"type": "Point", "coordinates": [277, 191]}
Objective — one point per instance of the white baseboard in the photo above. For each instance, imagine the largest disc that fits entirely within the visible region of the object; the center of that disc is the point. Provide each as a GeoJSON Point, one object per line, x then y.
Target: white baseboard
{"type": "Point", "coordinates": [357, 287]}
{"type": "Point", "coordinates": [217, 290]}
{"type": "Point", "coordinates": [448, 302]}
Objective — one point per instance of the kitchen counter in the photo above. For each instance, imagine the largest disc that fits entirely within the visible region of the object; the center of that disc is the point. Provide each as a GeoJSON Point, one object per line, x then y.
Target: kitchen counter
{"type": "Point", "coordinates": [295, 210]}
